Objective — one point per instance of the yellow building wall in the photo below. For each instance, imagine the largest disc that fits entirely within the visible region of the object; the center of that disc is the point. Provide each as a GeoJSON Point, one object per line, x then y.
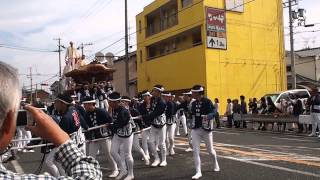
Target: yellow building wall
{"type": "Point", "coordinates": [253, 63]}
{"type": "Point", "coordinates": [175, 71]}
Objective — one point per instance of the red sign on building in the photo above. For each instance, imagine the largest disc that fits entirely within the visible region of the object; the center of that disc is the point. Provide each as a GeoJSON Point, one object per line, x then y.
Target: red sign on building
{"type": "Point", "coordinates": [216, 28]}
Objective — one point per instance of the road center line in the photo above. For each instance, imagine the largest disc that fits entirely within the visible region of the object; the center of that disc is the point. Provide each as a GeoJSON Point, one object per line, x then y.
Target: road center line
{"type": "Point", "coordinates": [291, 139]}
{"type": "Point", "coordinates": [17, 167]}
{"type": "Point", "coordinates": [272, 155]}
{"type": "Point", "coordinates": [264, 165]}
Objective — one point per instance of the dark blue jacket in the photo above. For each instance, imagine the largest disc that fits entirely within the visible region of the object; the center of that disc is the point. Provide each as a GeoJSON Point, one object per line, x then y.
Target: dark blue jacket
{"type": "Point", "coordinates": [202, 107]}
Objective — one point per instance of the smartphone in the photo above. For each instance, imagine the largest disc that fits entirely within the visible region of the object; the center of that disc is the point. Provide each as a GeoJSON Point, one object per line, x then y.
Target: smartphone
{"type": "Point", "coordinates": [24, 118]}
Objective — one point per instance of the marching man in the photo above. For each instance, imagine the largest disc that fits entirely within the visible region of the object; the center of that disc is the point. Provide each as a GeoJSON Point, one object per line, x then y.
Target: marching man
{"type": "Point", "coordinates": [96, 117]}
{"type": "Point", "coordinates": [123, 136]}
{"type": "Point", "coordinates": [203, 113]}
{"type": "Point", "coordinates": [158, 125]}
{"type": "Point", "coordinates": [144, 109]}
{"type": "Point", "coordinates": [125, 100]}
{"type": "Point", "coordinates": [185, 116]}
{"type": "Point", "coordinates": [170, 121]}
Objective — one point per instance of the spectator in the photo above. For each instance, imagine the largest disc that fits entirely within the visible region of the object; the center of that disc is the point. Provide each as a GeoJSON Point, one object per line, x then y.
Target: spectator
{"type": "Point", "coordinates": [244, 110]}
{"type": "Point", "coordinates": [229, 112]}
{"type": "Point", "coordinates": [76, 164]}
{"type": "Point", "coordinates": [236, 108]}
{"type": "Point", "coordinates": [262, 109]}
{"type": "Point", "coordinates": [254, 106]}
{"type": "Point", "coordinates": [297, 111]}
{"type": "Point", "coordinates": [216, 105]}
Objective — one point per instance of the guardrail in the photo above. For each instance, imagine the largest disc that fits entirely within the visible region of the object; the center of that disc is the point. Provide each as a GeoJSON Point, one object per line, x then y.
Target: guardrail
{"type": "Point", "coordinates": [273, 118]}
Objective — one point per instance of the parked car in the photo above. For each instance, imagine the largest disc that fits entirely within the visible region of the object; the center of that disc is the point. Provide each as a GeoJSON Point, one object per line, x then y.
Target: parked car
{"type": "Point", "coordinates": [289, 95]}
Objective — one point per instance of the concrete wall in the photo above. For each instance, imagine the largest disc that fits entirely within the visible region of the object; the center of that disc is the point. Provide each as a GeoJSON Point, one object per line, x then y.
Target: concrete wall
{"type": "Point", "coordinates": [119, 76]}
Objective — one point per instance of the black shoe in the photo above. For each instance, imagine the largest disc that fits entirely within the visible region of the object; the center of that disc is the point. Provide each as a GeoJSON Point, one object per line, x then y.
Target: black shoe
{"type": "Point", "coordinates": [11, 158]}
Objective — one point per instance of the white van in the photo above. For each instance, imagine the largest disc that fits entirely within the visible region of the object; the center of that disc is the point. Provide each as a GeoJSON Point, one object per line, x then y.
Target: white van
{"type": "Point", "coordinates": [301, 94]}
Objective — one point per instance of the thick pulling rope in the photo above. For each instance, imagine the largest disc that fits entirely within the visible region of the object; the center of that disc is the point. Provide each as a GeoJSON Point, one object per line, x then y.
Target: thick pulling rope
{"type": "Point", "coordinates": [87, 141]}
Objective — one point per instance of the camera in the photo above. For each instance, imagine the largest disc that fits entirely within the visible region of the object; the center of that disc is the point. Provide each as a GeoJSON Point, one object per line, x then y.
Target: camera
{"type": "Point", "coordinates": [24, 118]}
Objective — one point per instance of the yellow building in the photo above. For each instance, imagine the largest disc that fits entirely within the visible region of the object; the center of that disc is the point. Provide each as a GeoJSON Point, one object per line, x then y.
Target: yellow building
{"type": "Point", "coordinates": [232, 47]}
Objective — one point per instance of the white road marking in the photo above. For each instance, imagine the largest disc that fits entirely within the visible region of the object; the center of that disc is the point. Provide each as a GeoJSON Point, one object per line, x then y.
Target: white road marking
{"type": "Point", "coordinates": [17, 167]}
{"type": "Point", "coordinates": [270, 151]}
{"type": "Point", "coordinates": [291, 139]}
{"type": "Point", "coordinates": [222, 132]}
{"type": "Point", "coordinates": [264, 165]}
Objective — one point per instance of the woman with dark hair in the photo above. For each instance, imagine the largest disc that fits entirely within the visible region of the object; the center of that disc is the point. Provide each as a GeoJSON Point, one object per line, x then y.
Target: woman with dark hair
{"type": "Point", "coordinates": [272, 108]}
{"type": "Point", "coordinates": [216, 105]}
{"type": "Point", "coordinates": [297, 111]}
{"type": "Point", "coordinates": [262, 110]}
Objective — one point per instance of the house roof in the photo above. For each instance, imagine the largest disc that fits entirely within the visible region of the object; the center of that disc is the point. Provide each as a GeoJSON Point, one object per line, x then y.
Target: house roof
{"type": "Point", "coordinates": [310, 52]}
{"type": "Point", "coordinates": [132, 54]}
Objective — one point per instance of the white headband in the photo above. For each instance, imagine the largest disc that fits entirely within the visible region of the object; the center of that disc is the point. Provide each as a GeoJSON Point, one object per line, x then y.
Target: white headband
{"type": "Point", "coordinates": [119, 99]}
{"type": "Point", "coordinates": [147, 94]}
{"type": "Point", "coordinates": [169, 94]}
{"type": "Point", "coordinates": [199, 90]}
{"type": "Point", "coordinates": [188, 93]}
{"type": "Point", "coordinates": [89, 102]}
{"type": "Point", "coordinates": [159, 89]}
{"type": "Point", "coordinates": [127, 100]}
{"type": "Point", "coordinates": [63, 101]}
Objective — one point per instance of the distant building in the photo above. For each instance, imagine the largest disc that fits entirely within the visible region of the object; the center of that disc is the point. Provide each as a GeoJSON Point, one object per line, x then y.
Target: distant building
{"type": "Point", "coordinates": [43, 95]}
{"type": "Point", "coordinates": [54, 88]}
{"type": "Point", "coordinates": [307, 67]}
{"type": "Point", "coordinates": [119, 79]}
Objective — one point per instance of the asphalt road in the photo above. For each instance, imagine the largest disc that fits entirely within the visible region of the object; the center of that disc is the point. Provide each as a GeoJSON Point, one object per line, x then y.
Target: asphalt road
{"type": "Point", "coordinates": [243, 154]}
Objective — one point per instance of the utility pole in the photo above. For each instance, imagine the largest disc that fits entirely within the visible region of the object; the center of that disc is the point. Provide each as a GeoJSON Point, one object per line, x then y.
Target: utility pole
{"type": "Point", "coordinates": [36, 92]}
{"type": "Point", "coordinates": [126, 47]}
{"type": "Point", "coordinates": [59, 51]}
{"type": "Point", "coordinates": [292, 56]}
{"type": "Point", "coordinates": [31, 84]}
{"type": "Point", "coordinates": [82, 47]}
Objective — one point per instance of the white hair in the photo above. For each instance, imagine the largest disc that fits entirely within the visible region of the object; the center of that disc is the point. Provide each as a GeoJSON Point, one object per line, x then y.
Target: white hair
{"type": "Point", "coordinates": [10, 92]}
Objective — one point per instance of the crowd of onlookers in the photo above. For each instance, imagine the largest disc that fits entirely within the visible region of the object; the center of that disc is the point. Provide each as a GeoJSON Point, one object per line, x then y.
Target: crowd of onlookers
{"type": "Point", "coordinates": [265, 106]}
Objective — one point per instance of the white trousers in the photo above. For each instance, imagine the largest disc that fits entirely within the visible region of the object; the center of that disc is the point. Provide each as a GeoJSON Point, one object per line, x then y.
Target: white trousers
{"type": "Point", "coordinates": [145, 140]}
{"type": "Point", "coordinates": [158, 134]}
{"type": "Point", "coordinates": [199, 135]}
{"type": "Point", "coordinates": [55, 168]}
{"type": "Point", "coordinates": [182, 119]}
{"type": "Point", "coordinates": [315, 122]}
{"type": "Point", "coordinates": [19, 135]}
{"type": "Point", "coordinates": [123, 146]}
{"type": "Point", "coordinates": [136, 146]}
{"type": "Point", "coordinates": [170, 137]}
{"type": "Point", "coordinates": [105, 147]}
{"type": "Point", "coordinates": [190, 138]}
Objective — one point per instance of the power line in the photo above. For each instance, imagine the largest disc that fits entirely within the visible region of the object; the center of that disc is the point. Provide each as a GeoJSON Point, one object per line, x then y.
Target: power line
{"type": "Point", "coordinates": [95, 10]}
{"type": "Point", "coordinates": [41, 82]}
{"type": "Point", "coordinates": [245, 3]}
{"type": "Point", "coordinates": [108, 46]}
{"type": "Point", "coordinates": [21, 48]}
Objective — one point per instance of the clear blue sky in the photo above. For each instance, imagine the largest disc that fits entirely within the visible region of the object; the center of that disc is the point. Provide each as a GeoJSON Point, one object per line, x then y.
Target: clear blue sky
{"type": "Point", "coordinates": [35, 23]}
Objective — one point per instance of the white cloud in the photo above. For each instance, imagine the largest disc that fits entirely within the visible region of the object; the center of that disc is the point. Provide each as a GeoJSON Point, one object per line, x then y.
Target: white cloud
{"type": "Point", "coordinates": [35, 23]}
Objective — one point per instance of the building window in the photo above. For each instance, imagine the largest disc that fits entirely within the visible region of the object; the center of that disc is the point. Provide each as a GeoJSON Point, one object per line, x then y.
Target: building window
{"type": "Point", "coordinates": [140, 27]}
{"type": "Point", "coordinates": [163, 18]}
{"type": "Point", "coordinates": [180, 42]}
{"type": "Point", "coordinates": [288, 68]}
{"type": "Point", "coordinates": [186, 3]}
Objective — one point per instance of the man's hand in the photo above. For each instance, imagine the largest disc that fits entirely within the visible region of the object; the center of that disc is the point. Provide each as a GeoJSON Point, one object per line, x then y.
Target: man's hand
{"type": "Point", "coordinates": [46, 127]}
